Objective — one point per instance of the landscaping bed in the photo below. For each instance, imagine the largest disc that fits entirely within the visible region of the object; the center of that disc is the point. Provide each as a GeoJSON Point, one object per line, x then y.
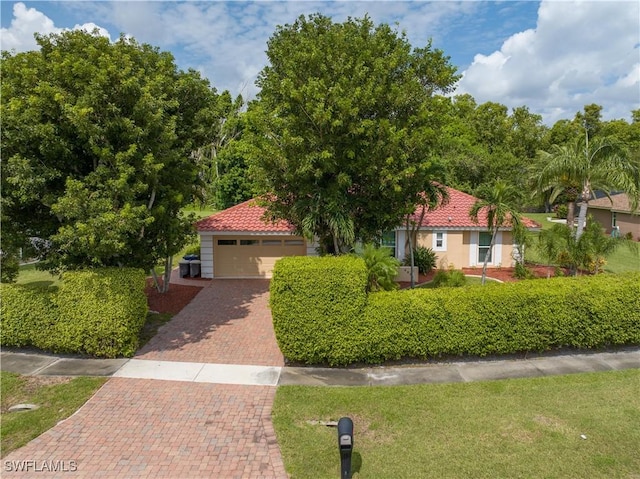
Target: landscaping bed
{"type": "Point", "coordinates": [172, 301]}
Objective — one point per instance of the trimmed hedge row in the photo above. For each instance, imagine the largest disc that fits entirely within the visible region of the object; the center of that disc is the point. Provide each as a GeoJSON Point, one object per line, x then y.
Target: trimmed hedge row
{"type": "Point", "coordinates": [315, 304]}
{"type": "Point", "coordinates": [98, 312]}
{"type": "Point", "coordinates": [538, 315]}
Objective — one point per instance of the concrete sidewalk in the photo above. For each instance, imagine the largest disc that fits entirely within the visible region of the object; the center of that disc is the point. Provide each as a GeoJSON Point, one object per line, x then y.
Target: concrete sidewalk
{"type": "Point", "coordinates": [257, 375]}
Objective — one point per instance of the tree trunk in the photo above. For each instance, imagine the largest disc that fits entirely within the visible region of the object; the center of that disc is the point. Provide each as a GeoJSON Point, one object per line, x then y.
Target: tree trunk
{"type": "Point", "coordinates": [167, 274]}
{"type": "Point", "coordinates": [412, 262]}
{"type": "Point", "coordinates": [571, 214]}
{"type": "Point", "coordinates": [584, 204]}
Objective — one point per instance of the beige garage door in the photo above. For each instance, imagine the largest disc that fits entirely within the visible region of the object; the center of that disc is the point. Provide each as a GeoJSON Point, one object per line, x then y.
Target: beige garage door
{"type": "Point", "coordinates": [252, 256]}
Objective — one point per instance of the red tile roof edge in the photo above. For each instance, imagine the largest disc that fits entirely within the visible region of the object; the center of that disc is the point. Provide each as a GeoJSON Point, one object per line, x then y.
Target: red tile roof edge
{"type": "Point", "coordinates": [249, 217]}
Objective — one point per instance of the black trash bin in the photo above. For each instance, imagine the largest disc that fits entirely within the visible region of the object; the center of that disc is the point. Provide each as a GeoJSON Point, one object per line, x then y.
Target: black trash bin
{"type": "Point", "coordinates": [194, 268]}
{"type": "Point", "coordinates": [184, 269]}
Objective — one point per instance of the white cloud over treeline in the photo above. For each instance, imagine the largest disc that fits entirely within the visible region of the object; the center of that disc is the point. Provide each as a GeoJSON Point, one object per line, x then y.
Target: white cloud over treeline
{"type": "Point", "coordinates": [577, 53]}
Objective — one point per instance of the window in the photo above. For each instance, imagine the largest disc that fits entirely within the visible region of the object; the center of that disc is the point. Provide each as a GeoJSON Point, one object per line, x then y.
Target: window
{"type": "Point", "coordinates": [249, 242]}
{"type": "Point", "coordinates": [227, 242]}
{"type": "Point", "coordinates": [484, 243]}
{"type": "Point", "coordinates": [271, 242]}
{"type": "Point", "coordinates": [614, 219]}
{"type": "Point", "coordinates": [294, 242]}
{"type": "Point", "coordinates": [439, 241]}
{"type": "Point", "coordinates": [389, 241]}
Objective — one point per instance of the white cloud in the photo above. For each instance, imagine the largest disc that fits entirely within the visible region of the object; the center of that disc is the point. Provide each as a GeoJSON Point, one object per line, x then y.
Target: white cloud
{"type": "Point", "coordinates": [26, 22]}
{"type": "Point", "coordinates": [579, 53]}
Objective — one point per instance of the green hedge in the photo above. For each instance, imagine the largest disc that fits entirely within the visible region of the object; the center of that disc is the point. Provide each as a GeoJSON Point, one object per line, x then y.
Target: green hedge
{"type": "Point", "coordinates": [98, 312]}
{"type": "Point", "coordinates": [27, 316]}
{"type": "Point", "coordinates": [321, 315]}
{"type": "Point", "coordinates": [317, 306]}
{"type": "Point", "coordinates": [537, 315]}
{"type": "Point", "coordinates": [101, 312]}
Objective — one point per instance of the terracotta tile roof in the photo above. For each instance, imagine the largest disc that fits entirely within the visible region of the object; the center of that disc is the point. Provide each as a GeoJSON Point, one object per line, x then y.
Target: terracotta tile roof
{"type": "Point", "coordinates": [455, 214]}
{"type": "Point", "coordinates": [247, 216]}
{"type": "Point", "coordinates": [619, 202]}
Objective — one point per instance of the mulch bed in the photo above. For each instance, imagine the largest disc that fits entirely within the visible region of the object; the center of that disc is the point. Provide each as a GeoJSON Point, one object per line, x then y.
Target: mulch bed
{"type": "Point", "coordinates": [173, 300]}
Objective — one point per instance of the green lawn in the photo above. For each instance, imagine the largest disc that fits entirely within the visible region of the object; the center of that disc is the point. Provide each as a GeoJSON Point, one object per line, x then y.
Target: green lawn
{"type": "Point", "coordinates": [501, 429]}
{"type": "Point", "coordinates": [199, 212]}
{"type": "Point", "coordinates": [57, 401]}
{"type": "Point", "coordinates": [541, 218]}
{"type": "Point", "coordinates": [30, 275]}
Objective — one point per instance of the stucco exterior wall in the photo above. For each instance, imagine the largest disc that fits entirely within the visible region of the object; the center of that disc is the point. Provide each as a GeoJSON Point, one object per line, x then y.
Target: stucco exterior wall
{"type": "Point", "coordinates": [461, 248]}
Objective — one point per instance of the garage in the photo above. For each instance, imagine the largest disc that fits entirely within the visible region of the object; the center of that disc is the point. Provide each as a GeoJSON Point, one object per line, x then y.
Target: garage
{"type": "Point", "coordinates": [252, 256]}
{"type": "Point", "coordinates": [239, 243]}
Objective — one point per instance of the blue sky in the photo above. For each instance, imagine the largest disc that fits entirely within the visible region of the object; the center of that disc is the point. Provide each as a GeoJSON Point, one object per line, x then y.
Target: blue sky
{"type": "Point", "coordinates": [553, 56]}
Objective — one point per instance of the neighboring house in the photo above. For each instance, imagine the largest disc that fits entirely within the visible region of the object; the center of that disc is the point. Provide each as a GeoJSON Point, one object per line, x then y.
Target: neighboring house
{"type": "Point", "coordinates": [238, 243]}
{"type": "Point", "coordinates": [616, 212]}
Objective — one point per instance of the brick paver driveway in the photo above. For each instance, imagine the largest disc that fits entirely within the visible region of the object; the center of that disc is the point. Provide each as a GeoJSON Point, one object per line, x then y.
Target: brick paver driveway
{"type": "Point", "coordinates": [139, 428]}
{"type": "Point", "coordinates": [228, 322]}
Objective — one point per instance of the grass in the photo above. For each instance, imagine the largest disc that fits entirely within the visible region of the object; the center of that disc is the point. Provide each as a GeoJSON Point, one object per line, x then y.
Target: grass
{"type": "Point", "coordinates": [199, 212]}
{"type": "Point", "coordinates": [58, 398]}
{"type": "Point", "coordinates": [499, 429]}
{"type": "Point", "coordinates": [542, 219]}
{"type": "Point", "coordinates": [33, 277]}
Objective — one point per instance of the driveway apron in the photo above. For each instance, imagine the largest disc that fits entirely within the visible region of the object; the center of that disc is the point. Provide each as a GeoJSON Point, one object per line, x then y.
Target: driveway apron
{"type": "Point", "coordinates": [141, 428]}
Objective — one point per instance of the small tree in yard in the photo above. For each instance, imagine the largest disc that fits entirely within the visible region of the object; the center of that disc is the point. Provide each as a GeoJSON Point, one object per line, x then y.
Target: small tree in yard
{"type": "Point", "coordinates": [497, 207]}
{"type": "Point", "coordinates": [550, 243]}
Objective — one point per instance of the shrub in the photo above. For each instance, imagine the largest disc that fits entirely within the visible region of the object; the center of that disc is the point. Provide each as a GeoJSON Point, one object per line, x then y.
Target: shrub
{"type": "Point", "coordinates": [424, 258]}
{"type": "Point", "coordinates": [28, 316]}
{"type": "Point", "coordinates": [449, 278]}
{"type": "Point", "coordinates": [322, 314]}
{"type": "Point", "coordinates": [562, 211]}
{"type": "Point", "coordinates": [382, 268]}
{"type": "Point", "coordinates": [317, 305]}
{"type": "Point", "coordinates": [101, 311]}
{"type": "Point", "coordinates": [522, 272]}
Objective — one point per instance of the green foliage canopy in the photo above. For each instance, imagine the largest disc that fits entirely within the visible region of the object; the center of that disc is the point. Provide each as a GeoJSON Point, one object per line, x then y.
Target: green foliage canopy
{"type": "Point", "coordinates": [96, 149]}
{"type": "Point", "coordinates": [344, 123]}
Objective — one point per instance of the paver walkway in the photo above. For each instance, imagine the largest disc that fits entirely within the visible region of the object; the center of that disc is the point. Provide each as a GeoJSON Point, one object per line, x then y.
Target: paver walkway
{"type": "Point", "coordinates": [142, 428]}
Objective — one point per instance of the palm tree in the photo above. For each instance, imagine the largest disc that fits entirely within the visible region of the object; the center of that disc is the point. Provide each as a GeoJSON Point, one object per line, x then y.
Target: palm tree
{"type": "Point", "coordinates": [586, 166]}
{"type": "Point", "coordinates": [498, 207]}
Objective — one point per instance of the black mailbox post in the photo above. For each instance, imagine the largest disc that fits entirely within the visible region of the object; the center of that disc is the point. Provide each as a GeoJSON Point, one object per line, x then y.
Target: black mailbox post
{"type": "Point", "coordinates": [345, 443]}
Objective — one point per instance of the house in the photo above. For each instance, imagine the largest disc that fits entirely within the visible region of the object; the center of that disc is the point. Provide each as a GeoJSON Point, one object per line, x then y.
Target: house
{"type": "Point", "coordinates": [616, 212]}
{"type": "Point", "coordinates": [239, 243]}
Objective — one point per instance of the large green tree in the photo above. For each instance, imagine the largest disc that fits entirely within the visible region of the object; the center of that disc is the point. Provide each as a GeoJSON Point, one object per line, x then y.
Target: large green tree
{"type": "Point", "coordinates": [345, 123]}
{"type": "Point", "coordinates": [96, 140]}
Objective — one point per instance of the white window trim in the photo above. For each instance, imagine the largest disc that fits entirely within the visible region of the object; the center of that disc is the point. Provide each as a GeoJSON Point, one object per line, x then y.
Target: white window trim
{"type": "Point", "coordinates": [496, 256]}
{"type": "Point", "coordinates": [435, 247]}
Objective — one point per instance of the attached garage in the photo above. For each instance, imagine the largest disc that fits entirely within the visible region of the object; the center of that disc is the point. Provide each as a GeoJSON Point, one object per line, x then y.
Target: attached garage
{"type": "Point", "coordinates": [252, 256]}
{"type": "Point", "coordinates": [239, 243]}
